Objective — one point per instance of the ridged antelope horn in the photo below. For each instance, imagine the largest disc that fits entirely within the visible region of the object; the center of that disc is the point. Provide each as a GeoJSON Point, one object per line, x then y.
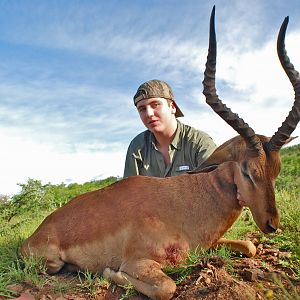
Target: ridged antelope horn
{"type": "Point", "coordinates": [213, 100]}
{"type": "Point", "coordinates": [284, 131]}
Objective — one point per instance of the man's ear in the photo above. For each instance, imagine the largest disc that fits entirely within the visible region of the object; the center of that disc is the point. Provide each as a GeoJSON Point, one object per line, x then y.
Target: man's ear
{"type": "Point", "coordinates": [173, 107]}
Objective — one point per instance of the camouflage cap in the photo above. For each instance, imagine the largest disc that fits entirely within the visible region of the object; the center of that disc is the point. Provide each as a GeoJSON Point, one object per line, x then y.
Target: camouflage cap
{"type": "Point", "coordinates": [156, 89]}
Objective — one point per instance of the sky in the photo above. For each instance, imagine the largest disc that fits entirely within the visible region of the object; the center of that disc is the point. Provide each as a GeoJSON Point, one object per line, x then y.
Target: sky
{"type": "Point", "coordinates": [69, 70]}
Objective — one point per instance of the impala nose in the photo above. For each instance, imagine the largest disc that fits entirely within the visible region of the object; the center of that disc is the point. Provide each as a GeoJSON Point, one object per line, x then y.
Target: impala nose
{"type": "Point", "coordinates": [271, 227]}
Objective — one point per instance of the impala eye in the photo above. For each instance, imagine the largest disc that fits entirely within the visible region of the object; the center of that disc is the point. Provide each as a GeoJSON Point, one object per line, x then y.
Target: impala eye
{"type": "Point", "coordinates": [245, 172]}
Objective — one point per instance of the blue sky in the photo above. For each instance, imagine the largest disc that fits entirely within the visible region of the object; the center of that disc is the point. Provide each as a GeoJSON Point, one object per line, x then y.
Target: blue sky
{"type": "Point", "coordinates": [69, 69]}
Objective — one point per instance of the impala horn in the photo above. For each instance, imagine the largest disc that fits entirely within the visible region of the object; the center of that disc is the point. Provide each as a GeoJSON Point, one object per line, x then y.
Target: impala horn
{"type": "Point", "coordinates": [212, 99]}
{"type": "Point", "coordinates": [284, 131]}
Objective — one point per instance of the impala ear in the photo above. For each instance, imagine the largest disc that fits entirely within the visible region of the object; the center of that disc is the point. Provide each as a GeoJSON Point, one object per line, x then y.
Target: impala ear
{"type": "Point", "coordinates": [206, 169]}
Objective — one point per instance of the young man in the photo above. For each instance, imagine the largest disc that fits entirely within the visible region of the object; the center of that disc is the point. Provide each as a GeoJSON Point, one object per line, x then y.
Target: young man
{"type": "Point", "coordinates": [168, 147]}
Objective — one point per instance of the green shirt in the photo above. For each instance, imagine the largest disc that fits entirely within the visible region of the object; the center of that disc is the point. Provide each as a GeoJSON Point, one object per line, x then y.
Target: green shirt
{"type": "Point", "coordinates": [188, 150]}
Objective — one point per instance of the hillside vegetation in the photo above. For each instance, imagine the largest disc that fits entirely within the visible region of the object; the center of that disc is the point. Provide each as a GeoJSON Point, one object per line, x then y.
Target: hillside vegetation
{"type": "Point", "coordinates": [20, 216]}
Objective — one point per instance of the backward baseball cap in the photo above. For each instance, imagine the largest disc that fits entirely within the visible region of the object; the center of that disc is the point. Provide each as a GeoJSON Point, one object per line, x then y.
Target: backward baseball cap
{"type": "Point", "coordinates": [156, 89]}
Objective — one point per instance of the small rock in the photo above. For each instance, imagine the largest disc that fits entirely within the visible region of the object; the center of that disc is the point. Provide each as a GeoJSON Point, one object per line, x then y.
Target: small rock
{"type": "Point", "coordinates": [252, 274]}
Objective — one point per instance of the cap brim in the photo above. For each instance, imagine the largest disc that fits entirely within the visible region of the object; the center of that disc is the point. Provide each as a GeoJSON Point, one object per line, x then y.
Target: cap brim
{"type": "Point", "coordinates": [178, 113]}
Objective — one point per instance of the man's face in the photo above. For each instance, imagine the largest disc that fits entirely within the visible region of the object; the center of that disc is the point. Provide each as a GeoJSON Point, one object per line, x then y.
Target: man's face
{"type": "Point", "coordinates": [156, 113]}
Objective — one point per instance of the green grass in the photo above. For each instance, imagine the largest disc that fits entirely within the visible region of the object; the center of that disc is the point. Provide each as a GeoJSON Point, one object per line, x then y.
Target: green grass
{"type": "Point", "coordinates": [196, 258]}
{"type": "Point", "coordinates": [289, 178]}
{"type": "Point", "coordinates": [91, 282]}
{"type": "Point", "coordinates": [180, 273]}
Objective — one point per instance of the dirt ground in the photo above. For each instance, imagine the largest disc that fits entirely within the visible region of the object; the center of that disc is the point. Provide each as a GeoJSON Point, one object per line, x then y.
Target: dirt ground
{"type": "Point", "coordinates": [262, 277]}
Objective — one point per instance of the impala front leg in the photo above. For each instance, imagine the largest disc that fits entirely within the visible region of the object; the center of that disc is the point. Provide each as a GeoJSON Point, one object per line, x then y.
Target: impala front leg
{"type": "Point", "coordinates": [245, 247]}
{"type": "Point", "coordinates": [146, 276]}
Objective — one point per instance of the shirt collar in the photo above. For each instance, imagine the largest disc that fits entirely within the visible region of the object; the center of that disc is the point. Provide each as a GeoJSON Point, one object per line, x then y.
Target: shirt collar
{"type": "Point", "coordinates": [176, 141]}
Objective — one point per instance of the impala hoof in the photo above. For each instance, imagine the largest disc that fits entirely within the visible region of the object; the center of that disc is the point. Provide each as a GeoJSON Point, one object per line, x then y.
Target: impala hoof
{"type": "Point", "coordinates": [251, 249]}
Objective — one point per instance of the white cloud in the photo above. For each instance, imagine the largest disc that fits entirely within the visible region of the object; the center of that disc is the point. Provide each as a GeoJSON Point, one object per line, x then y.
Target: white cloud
{"type": "Point", "coordinates": [22, 158]}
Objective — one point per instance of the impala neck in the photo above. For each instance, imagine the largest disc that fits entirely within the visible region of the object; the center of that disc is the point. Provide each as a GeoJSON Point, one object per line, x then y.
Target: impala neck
{"type": "Point", "coordinates": [212, 206]}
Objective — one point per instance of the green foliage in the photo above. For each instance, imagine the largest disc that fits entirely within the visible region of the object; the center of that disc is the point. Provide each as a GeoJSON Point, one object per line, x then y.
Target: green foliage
{"type": "Point", "coordinates": [64, 193]}
{"type": "Point", "coordinates": [8, 266]}
{"type": "Point", "coordinates": [129, 291]}
{"type": "Point", "coordinates": [32, 268]}
{"type": "Point", "coordinates": [198, 257]}
{"type": "Point", "coordinates": [182, 272]}
{"type": "Point", "coordinates": [61, 286]}
{"type": "Point", "coordinates": [244, 224]}
{"type": "Point", "coordinates": [13, 270]}
{"type": "Point", "coordinates": [33, 197]}
{"type": "Point", "coordinates": [91, 282]}
{"type": "Point", "coordinates": [289, 177]}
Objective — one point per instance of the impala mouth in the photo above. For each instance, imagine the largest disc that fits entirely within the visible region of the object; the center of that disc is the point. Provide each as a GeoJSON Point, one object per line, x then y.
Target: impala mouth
{"type": "Point", "coordinates": [270, 227]}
